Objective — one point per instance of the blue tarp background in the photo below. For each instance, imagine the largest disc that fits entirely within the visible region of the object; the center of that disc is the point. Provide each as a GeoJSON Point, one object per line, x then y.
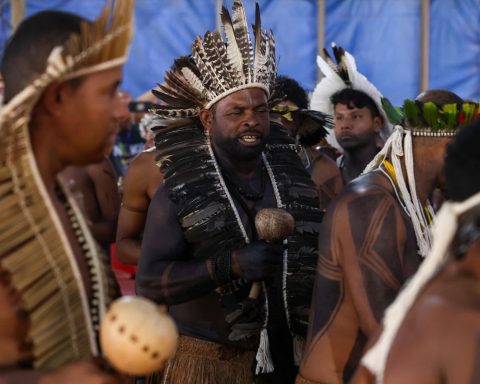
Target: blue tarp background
{"type": "Point", "coordinates": [383, 35]}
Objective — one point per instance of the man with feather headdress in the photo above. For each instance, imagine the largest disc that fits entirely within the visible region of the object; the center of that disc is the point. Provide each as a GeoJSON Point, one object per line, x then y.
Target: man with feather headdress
{"type": "Point", "coordinates": [200, 251]}
{"type": "Point", "coordinates": [360, 123]}
{"type": "Point", "coordinates": [374, 237]}
{"type": "Point", "coordinates": [61, 77]}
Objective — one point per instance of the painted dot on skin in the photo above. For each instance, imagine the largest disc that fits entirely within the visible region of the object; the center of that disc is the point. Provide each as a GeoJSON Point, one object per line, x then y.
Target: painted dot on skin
{"type": "Point", "coordinates": [113, 317]}
{"type": "Point", "coordinates": [121, 329]}
{"type": "Point", "coordinates": [146, 348]}
{"type": "Point", "coordinates": [154, 355]}
{"type": "Point", "coordinates": [134, 338]}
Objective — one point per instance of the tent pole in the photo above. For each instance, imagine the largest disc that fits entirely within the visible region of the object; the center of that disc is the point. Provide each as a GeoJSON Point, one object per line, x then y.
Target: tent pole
{"type": "Point", "coordinates": [320, 33]}
{"type": "Point", "coordinates": [425, 46]}
{"type": "Point", "coordinates": [218, 19]}
{"type": "Point", "coordinates": [18, 13]}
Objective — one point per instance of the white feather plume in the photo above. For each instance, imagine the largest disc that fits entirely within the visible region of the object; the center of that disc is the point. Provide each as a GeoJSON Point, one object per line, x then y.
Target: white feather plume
{"type": "Point", "coordinates": [333, 83]}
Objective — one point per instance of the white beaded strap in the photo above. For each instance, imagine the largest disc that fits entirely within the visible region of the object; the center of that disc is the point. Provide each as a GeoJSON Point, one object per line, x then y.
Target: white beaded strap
{"type": "Point", "coordinates": [227, 193]}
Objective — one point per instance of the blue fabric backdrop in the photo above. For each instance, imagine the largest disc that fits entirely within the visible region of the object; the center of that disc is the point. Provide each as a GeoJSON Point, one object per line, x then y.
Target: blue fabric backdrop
{"type": "Point", "coordinates": [384, 38]}
{"type": "Point", "coordinates": [383, 35]}
{"type": "Point", "coordinates": [455, 46]}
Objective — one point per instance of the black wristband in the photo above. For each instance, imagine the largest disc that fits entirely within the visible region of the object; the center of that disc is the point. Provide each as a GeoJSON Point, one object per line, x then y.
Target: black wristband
{"type": "Point", "coordinates": [222, 268]}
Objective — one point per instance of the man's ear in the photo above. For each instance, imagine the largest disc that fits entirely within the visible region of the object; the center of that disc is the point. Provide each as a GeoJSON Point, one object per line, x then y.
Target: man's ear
{"type": "Point", "coordinates": [206, 118]}
{"type": "Point", "coordinates": [54, 98]}
{"type": "Point", "coordinates": [377, 124]}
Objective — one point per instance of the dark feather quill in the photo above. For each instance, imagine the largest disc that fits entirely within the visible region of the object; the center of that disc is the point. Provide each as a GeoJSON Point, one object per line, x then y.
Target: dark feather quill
{"type": "Point", "coordinates": [242, 37]}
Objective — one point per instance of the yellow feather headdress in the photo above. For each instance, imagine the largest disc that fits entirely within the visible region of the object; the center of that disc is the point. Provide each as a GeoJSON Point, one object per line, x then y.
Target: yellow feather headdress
{"type": "Point", "coordinates": [34, 248]}
{"type": "Point", "coordinates": [102, 44]}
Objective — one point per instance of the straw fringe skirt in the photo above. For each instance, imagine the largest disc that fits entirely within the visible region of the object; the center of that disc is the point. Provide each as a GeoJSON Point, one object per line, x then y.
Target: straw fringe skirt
{"type": "Point", "coordinates": [203, 362]}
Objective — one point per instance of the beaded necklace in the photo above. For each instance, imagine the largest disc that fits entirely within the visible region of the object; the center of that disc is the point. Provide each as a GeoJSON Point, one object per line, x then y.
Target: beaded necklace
{"type": "Point", "coordinates": [96, 260]}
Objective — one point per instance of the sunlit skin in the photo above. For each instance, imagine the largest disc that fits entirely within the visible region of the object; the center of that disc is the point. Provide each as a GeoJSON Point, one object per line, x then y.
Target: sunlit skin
{"type": "Point", "coordinates": [439, 339]}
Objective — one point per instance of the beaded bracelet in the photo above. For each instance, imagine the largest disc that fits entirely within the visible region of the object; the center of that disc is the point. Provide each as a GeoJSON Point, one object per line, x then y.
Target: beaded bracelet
{"type": "Point", "coordinates": [222, 268]}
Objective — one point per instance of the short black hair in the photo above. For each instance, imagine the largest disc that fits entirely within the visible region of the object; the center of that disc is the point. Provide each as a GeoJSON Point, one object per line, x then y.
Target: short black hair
{"type": "Point", "coordinates": [353, 98]}
{"type": "Point", "coordinates": [25, 56]}
{"type": "Point", "coordinates": [292, 90]}
{"type": "Point", "coordinates": [462, 163]}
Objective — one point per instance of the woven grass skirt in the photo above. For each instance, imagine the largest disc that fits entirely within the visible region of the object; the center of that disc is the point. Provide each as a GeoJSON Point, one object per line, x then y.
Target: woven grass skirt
{"type": "Point", "coordinates": [203, 362]}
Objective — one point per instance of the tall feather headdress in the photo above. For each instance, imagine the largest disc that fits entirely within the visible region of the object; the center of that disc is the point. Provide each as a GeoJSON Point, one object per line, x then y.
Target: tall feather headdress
{"type": "Point", "coordinates": [340, 74]}
{"type": "Point", "coordinates": [34, 247]}
{"type": "Point", "coordinates": [218, 68]}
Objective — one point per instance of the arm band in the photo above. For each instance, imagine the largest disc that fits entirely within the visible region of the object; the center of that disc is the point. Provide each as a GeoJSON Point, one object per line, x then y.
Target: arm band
{"type": "Point", "coordinates": [222, 268]}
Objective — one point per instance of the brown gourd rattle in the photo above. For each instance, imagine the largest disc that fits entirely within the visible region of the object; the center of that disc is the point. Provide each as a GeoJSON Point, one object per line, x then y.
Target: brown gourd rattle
{"type": "Point", "coordinates": [137, 336]}
{"type": "Point", "coordinates": [272, 225]}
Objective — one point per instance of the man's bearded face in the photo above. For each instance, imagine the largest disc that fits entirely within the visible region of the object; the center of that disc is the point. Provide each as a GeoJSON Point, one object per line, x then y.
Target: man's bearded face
{"type": "Point", "coordinates": [241, 124]}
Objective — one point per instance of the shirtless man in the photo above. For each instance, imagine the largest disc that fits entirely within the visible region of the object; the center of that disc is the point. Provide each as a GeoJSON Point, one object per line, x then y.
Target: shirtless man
{"type": "Point", "coordinates": [302, 125]}
{"type": "Point", "coordinates": [200, 252]}
{"type": "Point", "coordinates": [141, 181]}
{"type": "Point", "coordinates": [54, 283]}
{"type": "Point", "coordinates": [435, 322]}
{"type": "Point", "coordinates": [371, 241]}
{"type": "Point", "coordinates": [95, 188]}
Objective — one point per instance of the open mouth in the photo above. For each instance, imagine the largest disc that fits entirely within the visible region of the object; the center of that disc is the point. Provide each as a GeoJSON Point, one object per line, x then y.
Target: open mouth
{"type": "Point", "coordinates": [249, 140]}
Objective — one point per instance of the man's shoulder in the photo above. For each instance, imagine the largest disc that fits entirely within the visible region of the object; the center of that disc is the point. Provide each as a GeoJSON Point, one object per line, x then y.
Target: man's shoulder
{"type": "Point", "coordinates": [323, 162]}
{"type": "Point", "coordinates": [364, 199]}
{"type": "Point", "coordinates": [371, 186]}
{"type": "Point", "coordinates": [449, 305]}
{"type": "Point", "coordinates": [144, 158]}
{"type": "Point", "coordinates": [143, 166]}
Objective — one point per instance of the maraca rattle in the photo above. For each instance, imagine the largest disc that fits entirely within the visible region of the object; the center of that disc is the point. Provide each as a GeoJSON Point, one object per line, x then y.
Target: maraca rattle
{"type": "Point", "coordinates": [137, 336]}
{"type": "Point", "coordinates": [272, 225]}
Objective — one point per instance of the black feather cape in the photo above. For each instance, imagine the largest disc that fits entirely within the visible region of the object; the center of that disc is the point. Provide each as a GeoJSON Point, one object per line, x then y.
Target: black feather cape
{"type": "Point", "coordinates": [208, 219]}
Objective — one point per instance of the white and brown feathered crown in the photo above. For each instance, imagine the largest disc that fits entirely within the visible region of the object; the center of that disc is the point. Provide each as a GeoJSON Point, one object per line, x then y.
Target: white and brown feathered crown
{"type": "Point", "coordinates": [31, 233]}
{"type": "Point", "coordinates": [340, 75]}
{"type": "Point", "coordinates": [217, 68]}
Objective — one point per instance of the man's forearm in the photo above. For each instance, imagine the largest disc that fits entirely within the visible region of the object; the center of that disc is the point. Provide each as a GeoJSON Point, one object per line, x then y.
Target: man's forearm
{"type": "Point", "coordinates": [177, 282]}
{"type": "Point", "coordinates": [104, 231]}
{"type": "Point", "coordinates": [128, 250]}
